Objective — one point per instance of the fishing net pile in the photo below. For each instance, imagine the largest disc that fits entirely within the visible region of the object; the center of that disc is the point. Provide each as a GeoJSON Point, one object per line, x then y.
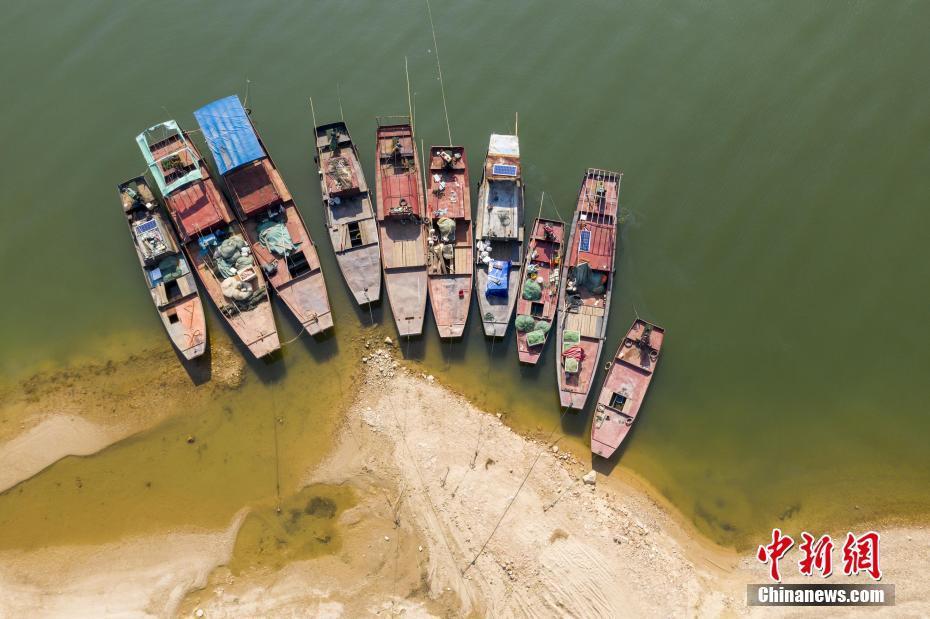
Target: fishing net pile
{"type": "Point", "coordinates": [572, 352]}
{"type": "Point", "coordinates": [532, 291]}
{"type": "Point", "coordinates": [591, 280]}
{"type": "Point", "coordinates": [535, 329]}
{"type": "Point", "coordinates": [232, 255]}
{"type": "Point", "coordinates": [274, 237]}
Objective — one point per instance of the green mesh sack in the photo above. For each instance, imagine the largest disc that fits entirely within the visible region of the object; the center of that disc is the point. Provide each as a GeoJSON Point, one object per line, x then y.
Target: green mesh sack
{"type": "Point", "coordinates": [535, 338]}
{"type": "Point", "coordinates": [569, 336]}
{"type": "Point", "coordinates": [571, 366]}
{"type": "Point", "coordinates": [524, 323]}
{"type": "Point", "coordinates": [543, 326]}
{"type": "Point", "coordinates": [532, 291]}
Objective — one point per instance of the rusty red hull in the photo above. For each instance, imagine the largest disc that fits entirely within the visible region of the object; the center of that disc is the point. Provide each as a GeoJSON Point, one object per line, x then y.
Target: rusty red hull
{"type": "Point", "coordinates": [628, 378]}
{"type": "Point", "coordinates": [450, 262]}
{"type": "Point", "coordinates": [587, 274]}
{"type": "Point", "coordinates": [542, 265]}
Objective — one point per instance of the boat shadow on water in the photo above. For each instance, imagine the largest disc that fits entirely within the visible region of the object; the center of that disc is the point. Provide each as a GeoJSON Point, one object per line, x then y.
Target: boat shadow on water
{"type": "Point", "coordinates": [199, 369]}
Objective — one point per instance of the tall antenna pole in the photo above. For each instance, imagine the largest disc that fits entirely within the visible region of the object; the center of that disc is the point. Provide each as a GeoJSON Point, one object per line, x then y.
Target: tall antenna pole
{"type": "Point", "coordinates": [516, 124]}
{"type": "Point", "coordinates": [409, 100]}
{"type": "Point", "coordinates": [442, 87]}
{"type": "Point", "coordinates": [342, 116]}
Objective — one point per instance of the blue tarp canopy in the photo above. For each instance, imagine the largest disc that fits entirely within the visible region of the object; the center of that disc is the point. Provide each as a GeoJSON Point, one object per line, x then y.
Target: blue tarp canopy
{"type": "Point", "coordinates": [229, 133]}
{"type": "Point", "coordinates": [498, 274]}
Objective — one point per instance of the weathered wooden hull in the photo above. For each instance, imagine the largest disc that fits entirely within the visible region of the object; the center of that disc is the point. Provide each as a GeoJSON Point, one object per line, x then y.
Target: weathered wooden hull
{"type": "Point", "coordinates": [587, 312]}
{"type": "Point", "coordinates": [351, 223]}
{"type": "Point", "coordinates": [544, 255]}
{"type": "Point", "coordinates": [186, 326]}
{"type": "Point", "coordinates": [255, 328]}
{"type": "Point", "coordinates": [304, 294]}
{"type": "Point", "coordinates": [624, 389]}
{"type": "Point", "coordinates": [407, 290]}
{"type": "Point", "coordinates": [402, 235]}
{"type": "Point", "coordinates": [450, 297]}
{"type": "Point", "coordinates": [450, 281]}
{"type": "Point", "coordinates": [181, 310]}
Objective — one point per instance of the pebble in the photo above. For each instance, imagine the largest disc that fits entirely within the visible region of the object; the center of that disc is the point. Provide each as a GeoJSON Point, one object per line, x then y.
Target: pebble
{"type": "Point", "coordinates": [420, 548]}
{"type": "Point", "coordinates": [198, 612]}
{"type": "Point", "coordinates": [388, 341]}
{"type": "Point", "coordinates": [555, 449]}
{"type": "Point", "coordinates": [589, 478]}
{"type": "Point", "coordinates": [386, 538]}
{"type": "Point", "coordinates": [430, 378]}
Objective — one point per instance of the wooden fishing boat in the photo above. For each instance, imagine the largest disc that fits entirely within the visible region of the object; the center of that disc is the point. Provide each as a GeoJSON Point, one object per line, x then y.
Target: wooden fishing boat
{"type": "Point", "coordinates": [499, 230]}
{"type": "Point", "coordinates": [539, 299]}
{"type": "Point", "coordinates": [213, 240]}
{"type": "Point", "coordinates": [350, 218]}
{"type": "Point", "coordinates": [401, 229]}
{"type": "Point", "coordinates": [450, 265]}
{"type": "Point", "coordinates": [587, 273]}
{"type": "Point", "coordinates": [628, 378]}
{"type": "Point", "coordinates": [166, 271]}
{"type": "Point", "coordinates": [276, 232]}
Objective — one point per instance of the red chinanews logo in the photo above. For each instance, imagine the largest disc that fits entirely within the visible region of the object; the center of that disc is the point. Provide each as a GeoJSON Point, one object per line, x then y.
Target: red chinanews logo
{"type": "Point", "coordinates": [860, 554]}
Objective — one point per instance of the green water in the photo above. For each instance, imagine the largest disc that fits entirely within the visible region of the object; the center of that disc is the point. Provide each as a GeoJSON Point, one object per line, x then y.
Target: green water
{"type": "Point", "coordinates": [776, 159]}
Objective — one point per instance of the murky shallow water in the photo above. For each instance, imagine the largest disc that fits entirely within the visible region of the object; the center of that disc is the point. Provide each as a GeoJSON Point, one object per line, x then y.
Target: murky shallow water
{"type": "Point", "coordinates": [775, 160]}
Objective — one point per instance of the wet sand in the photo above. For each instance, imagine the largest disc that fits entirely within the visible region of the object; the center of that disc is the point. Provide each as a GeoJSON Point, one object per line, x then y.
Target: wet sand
{"type": "Point", "coordinates": [454, 514]}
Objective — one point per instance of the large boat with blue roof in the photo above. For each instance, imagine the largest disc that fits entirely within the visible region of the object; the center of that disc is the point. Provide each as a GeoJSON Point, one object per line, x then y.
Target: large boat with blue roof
{"type": "Point", "coordinates": [274, 229]}
{"type": "Point", "coordinates": [499, 234]}
{"type": "Point", "coordinates": [213, 240]}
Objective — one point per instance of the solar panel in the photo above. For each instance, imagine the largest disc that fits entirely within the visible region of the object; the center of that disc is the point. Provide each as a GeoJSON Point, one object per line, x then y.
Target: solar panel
{"type": "Point", "coordinates": [504, 169]}
{"type": "Point", "coordinates": [146, 226]}
{"type": "Point", "coordinates": [585, 244]}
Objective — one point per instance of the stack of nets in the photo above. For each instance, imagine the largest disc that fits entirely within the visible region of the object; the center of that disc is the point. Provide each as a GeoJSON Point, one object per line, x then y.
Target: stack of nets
{"type": "Point", "coordinates": [274, 237]}
{"type": "Point", "coordinates": [535, 330]}
{"type": "Point", "coordinates": [230, 258]}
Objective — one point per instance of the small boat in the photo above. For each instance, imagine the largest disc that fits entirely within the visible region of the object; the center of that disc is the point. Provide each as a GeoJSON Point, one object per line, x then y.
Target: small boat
{"type": "Point", "coordinates": [276, 232]}
{"type": "Point", "coordinates": [539, 288]}
{"type": "Point", "coordinates": [628, 378]}
{"type": "Point", "coordinates": [499, 230]}
{"type": "Point", "coordinates": [450, 266]}
{"type": "Point", "coordinates": [167, 273]}
{"type": "Point", "coordinates": [213, 240]}
{"type": "Point", "coordinates": [350, 218]}
{"type": "Point", "coordinates": [587, 273]}
{"type": "Point", "coordinates": [401, 229]}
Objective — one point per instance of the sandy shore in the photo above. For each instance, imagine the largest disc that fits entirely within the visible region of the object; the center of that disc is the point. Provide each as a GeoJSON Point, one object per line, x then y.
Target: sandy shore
{"type": "Point", "coordinates": [79, 411]}
{"type": "Point", "coordinates": [457, 515]}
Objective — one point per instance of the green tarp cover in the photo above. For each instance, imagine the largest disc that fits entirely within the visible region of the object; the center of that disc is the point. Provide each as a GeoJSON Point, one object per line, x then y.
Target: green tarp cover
{"type": "Point", "coordinates": [274, 237]}
{"type": "Point", "coordinates": [525, 323]}
{"type": "Point", "coordinates": [589, 279]}
{"type": "Point", "coordinates": [571, 337]}
{"type": "Point", "coordinates": [535, 338]}
{"type": "Point", "coordinates": [532, 291]}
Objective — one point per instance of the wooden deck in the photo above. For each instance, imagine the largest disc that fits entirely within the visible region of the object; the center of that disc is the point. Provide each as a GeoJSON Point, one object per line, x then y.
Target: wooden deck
{"type": "Point", "coordinates": [544, 253]}
{"type": "Point", "coordinates": [401, 231]}
{"type": "Point", "coordinates": [591, 242]}
{"type": "Point", "coordinates": [450, 281]}
{"type": "Point", "coordinates": [259, 193]}
{"type": "Point", "coordinates": [624, 389]}
{"type": "Point", "coordinates": [350, 216]}
{"type": "Point", "coordinates": [499, 219]}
